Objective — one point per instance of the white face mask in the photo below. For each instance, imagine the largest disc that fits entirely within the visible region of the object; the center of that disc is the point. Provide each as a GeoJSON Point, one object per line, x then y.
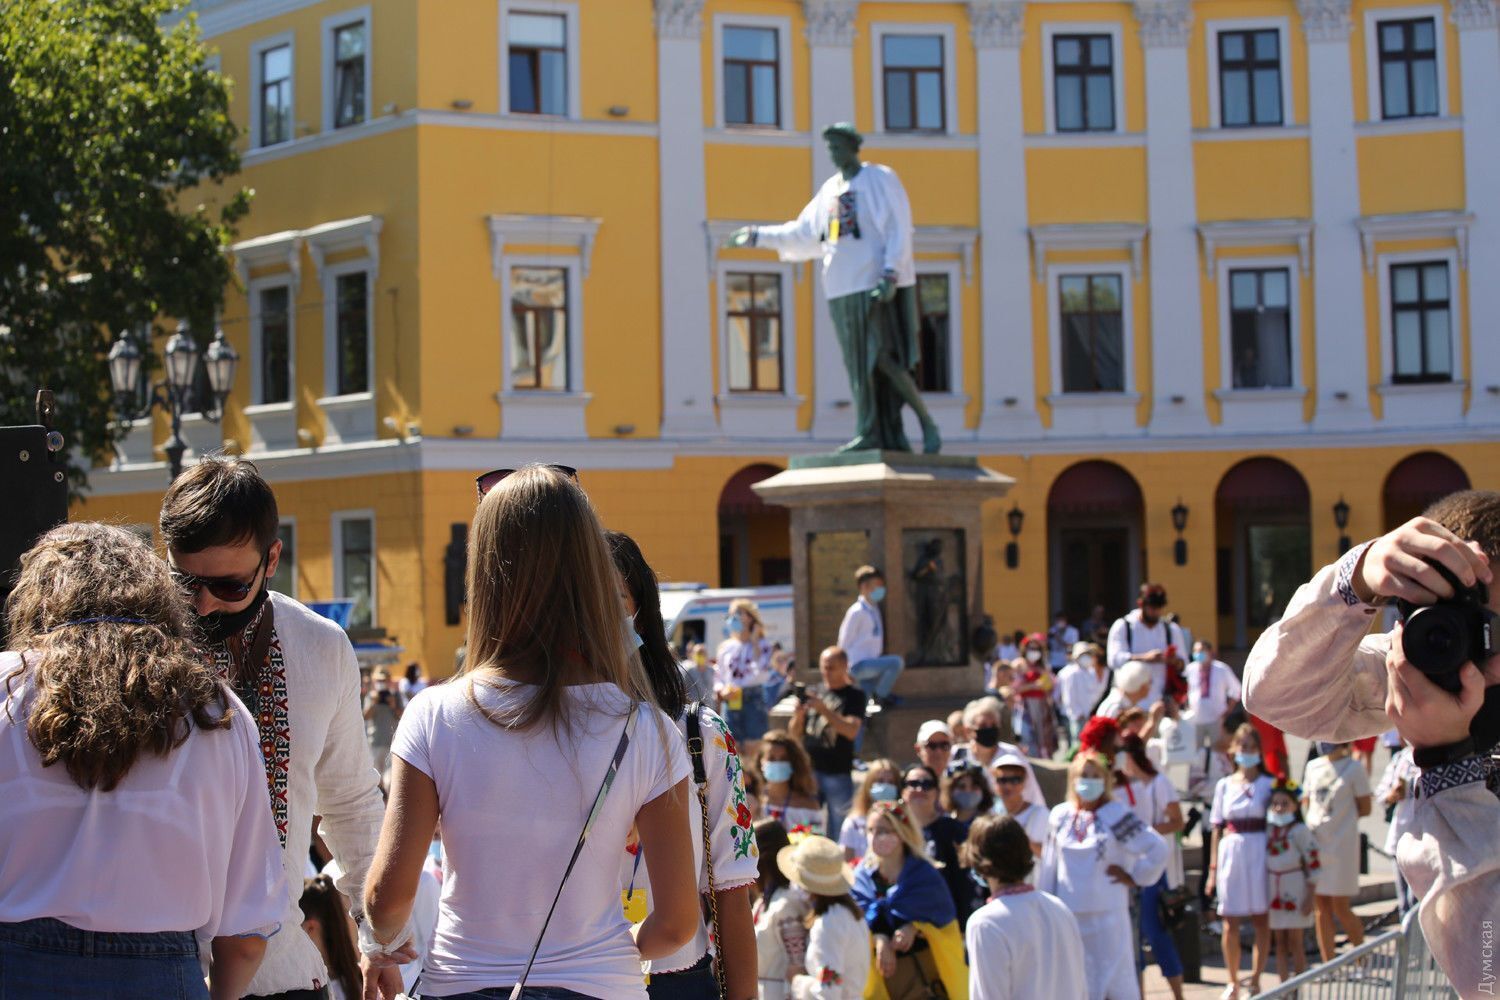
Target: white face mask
{"type": "Point", "coordinates": [1086, 661]}
{"type": "Point", "coordinates": [1033, 655]}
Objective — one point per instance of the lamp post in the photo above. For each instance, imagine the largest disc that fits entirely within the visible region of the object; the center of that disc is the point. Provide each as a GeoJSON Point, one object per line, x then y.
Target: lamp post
{"type": "Point", "coordinates": [1179, 521]}
{"type": "Point", "coordinates": [1341, 521]}
{"type": "Point", "coordinates": [181, 358]}
{"type": "Point", "coordinates": [1013, 518]}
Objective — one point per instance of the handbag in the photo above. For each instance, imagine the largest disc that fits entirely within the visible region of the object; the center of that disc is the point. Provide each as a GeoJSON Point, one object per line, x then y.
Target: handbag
{"type": "Point", "coordinates": [916, 977]}
{"type": "Point", "coordinates": [700, 781]}
{"type": "Point", "coordinates": [583, 836]}
{"type": "Point", "coordinates": [1172, 906]}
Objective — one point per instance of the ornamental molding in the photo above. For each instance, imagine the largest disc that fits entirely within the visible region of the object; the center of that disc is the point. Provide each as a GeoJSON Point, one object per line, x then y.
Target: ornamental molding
{"type": "Point", "coordinates": [830, 22]}
{"type": "Point", "coordinates": [1474, 15]}
{"type": "Point", "coordinates": [957, 240]}
{"type": "Point", "coordinates": [1127, 236]}
{"type": "Point", "coordinates": [1325, 20]}
{"type": "Point", "coordinates": [1256, 233]}
{"type": "Point", "coordinates": [679, 19]}
{"type": "Point", "coordinates": [359, 233]}
{"type": "Point", "coordinates": [1164, 23]}
{"type": "Point", "coordinates": [1415, 226]}
{"type": "Point", "coordinates": [270, 251]}
{"type": "Point", "coordinates": [542, 230]}
{"type": "Point", "coordinates": [997, 24]}
{"type": "Point", "coordinates": [716, 231]}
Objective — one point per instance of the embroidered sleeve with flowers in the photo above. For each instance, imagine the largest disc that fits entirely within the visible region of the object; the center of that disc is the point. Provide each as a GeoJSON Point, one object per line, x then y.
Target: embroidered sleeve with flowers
{"type": "Point", "coordinates": [736, 860]}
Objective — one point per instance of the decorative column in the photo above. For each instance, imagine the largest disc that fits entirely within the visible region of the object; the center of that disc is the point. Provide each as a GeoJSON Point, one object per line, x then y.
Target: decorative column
{"type": "Point", "coordinates": [830, 39]}
{"type": "Point", "coordinates": [1176, 304]}
{"type": "Point", "coordinates": [1342, 376]}
{"type": "Point", "coordinates": [687, 391]}
{"type": "Point", "coordinates": [1009, 411]}
{"type": "Point", "coordinates": [1479, 66]}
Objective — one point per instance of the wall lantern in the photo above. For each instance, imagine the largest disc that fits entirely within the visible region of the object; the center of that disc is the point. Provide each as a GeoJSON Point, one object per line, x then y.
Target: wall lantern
{"type": "Point", "coordinates": [1013, 518]}
{"type": "Point", "coordinates": [1341, 521]}
{"type": "Point", "coordinates": [1179, 521]}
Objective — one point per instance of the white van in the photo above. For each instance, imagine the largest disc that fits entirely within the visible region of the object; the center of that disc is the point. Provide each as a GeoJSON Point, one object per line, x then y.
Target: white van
{"type": "Point", "coordinates": [695, 613]}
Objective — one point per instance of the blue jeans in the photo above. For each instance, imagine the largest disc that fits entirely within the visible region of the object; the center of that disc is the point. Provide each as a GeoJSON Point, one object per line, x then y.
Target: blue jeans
{"type": "Point", "coordinates": [696, 982]}
{"type": "Point", "coordinates": [837, 791]}
{"type": "Point", "coordinates": [1163, 947]}
{"type": "Point", "coordinates": [48, 958]}
{"type": "Point", "coordinates": [878, 674]}
{"type": "Point", "coordinates": [752, 718]}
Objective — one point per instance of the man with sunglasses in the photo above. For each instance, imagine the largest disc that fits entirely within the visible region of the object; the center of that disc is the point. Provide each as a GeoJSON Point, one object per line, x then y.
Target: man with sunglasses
{"type": "Point", "coordinates": [297, 674]}
{"type": "Point", "coordinates": [935, 745]}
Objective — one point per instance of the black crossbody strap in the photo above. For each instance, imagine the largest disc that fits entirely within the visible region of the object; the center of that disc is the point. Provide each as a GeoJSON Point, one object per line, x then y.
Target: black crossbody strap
{"type": "Point", "coordinates": [583, 836]}
{"type": "Point", "coordinates": [700, 782]}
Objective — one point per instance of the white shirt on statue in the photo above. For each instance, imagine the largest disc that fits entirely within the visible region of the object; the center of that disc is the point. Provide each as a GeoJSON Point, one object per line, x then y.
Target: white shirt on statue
{"type": "Point", "coordinates": [872, 235]}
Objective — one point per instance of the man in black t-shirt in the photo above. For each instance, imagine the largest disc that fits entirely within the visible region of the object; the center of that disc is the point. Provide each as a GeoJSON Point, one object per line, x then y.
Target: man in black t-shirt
{"type": "Point", "coordinates": [829, 723]}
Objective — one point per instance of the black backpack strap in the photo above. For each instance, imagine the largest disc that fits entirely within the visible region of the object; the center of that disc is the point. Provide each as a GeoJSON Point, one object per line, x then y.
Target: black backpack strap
{"type": "Point", "coordinates": [695, 743]}
{"type": "Point", "coordinates": [694, 725]}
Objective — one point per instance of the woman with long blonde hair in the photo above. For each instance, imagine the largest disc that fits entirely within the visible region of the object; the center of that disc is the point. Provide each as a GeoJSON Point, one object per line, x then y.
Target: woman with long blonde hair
{"type": "Point", "coordinates": [1097, 851]}
{"type": "Point", "coordinates": [538, 758]}
{"type": "Point", "coordinates": [136, 814]}
{"type": "Point", "coordinates": [881, 782]}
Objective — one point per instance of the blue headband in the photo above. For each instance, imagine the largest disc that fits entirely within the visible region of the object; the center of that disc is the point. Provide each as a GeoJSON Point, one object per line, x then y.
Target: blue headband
{"type": "Point", "coordinates": [110, 619]}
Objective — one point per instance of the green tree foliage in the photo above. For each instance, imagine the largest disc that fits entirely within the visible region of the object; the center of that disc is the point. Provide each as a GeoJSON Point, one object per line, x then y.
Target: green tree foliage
{"type": "Point", "coordinates": [114, 143]}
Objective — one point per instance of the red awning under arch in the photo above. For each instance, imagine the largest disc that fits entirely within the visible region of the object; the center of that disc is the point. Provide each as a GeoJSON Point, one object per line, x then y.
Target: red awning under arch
{"type": "Point", "coordinates": [1263, 484]}
{"type": "Point", "coordinates": [1419, 479]}
{"type": "Point", "coordinates": [738, 498]}
{"type": "Point", "coordinates": [1095, 487]}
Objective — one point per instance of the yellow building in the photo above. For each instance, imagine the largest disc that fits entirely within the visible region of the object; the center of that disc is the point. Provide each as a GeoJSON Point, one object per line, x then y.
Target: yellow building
{"type": "Point", "coordinates": [1229, 256]}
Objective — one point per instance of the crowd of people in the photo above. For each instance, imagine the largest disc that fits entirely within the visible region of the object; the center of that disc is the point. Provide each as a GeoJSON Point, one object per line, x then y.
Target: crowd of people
{"type": "Point", "coordinates": [205, 799]}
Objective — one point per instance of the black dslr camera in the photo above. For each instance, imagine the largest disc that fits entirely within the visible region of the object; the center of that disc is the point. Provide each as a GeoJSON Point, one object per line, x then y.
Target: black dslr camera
{"type": "Point", "coordinates": [1438, 639]}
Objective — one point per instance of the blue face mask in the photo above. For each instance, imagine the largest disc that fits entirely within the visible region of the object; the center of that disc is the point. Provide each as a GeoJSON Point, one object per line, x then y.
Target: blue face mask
{"type": "Point", "coordinates": [634, 635]}
{"type": "Point", "coordinates": [1325, 747]}
{"type": "Point", "coordinates": [778, 771]}
{"type": "Point", "coordinates": [968, 799]}
{"type": "Point", "coordinates": [980, 881]}
{"type": "Point", "coordinates": [877, 595]}
{"type": "Point", "coordinates": [1201, 656]}
{"type": "Point", "coordinates": [1247, 759]}
{"type": "Point", "coordinates": [1088, 789]}
{"type": "Point", "coordinates": [884, 791]}
{"type": "Point", "coordinates": [733, 626]}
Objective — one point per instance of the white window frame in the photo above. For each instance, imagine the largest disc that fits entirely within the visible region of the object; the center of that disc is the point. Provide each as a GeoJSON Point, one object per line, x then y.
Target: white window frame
{"type": "Point", "coordinates": [258, 49]}
{"type": "Point", "coordinates": [1126, 273]}
{"type": "Point", "coordinates": [1383, 264]}
{"type": "Point", "coordinates": [1374, 109]}
{"type": "Point", "coordinates": [1211, 32]}
{"type": "Point", "coordinates": [573, 269]}
{"type": "Point", "coordinates": [1293, 267]}
{"type": "Point", "coordinates": [290, 522]}
{"type": "Point", "coordinates": [787, 274]}
{"type": "Point", "coordinates": [953, 271]}
{"type": "Point", "coordinates": [339, 517]}
{"type": "Point", "coordinates": [878, 32]}
{"type": "Point", "coordinates": [253, 292]}
{"type": "Point", "coordinates": [568, 9]}
{"type": "Point", "coordinates": [330, 275]}
{"type": "Point", "coordinates": [783, 28]}
{"type": "Point", "coordinates": [331, 24]}
{"type": "Point", "coordinates": [1117, 56]}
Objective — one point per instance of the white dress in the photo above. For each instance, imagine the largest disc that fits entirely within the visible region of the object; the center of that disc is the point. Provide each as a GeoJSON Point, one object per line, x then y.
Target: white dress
{"type": "Point", "coordinates": [1024, 945]}
{"type": "Point", "coordinates": [1331, 786]}
{"type": "Point", "coordinates": [1241, 877]}
{"type": "Point", "coordinates": [1294, 867]}
{"type": "Point", "coordinates": [838, 958]}
{"type": "Point", "coordinates": [780, 939]}
{"type": "Point", "coordinates": [1082, 844]}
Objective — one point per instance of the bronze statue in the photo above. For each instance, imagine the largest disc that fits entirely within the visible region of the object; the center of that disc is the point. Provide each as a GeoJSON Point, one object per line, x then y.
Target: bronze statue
{"type": "Point", "coordinates": [859, 223]}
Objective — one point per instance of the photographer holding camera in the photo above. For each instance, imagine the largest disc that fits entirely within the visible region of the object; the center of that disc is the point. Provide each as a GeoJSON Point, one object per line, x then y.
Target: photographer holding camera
{"type": "Point", "coordinates": [837, 715]}
{"type": "Point", "coordinates": [1318, 673]}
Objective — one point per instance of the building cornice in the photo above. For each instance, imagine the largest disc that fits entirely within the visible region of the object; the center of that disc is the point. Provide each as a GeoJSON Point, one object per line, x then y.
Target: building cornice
{"type": "Point", "coordinates": [283, 248]}
{"type": "Point", "coordinates": [573, 231]}
{"type": "Point", "coordinates": [1256, 233]}
{"type": "Point", "coordinates": [1128, 236]}
{"type": "Point", "coordinates": [1415, 226]}
{"type": "Point", "coordinates": [997, 24]}
{"type": "Point", "coordinates": [830, 23]}
{"type": "Point", "coordinates": [359, 233]}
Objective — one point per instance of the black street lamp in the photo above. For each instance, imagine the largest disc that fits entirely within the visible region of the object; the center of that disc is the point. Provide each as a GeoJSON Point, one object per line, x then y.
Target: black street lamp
{"type": "Point", "coordinates": [1013, 518]}
{"type": "Point", "coordinates": [182, 358]}
{"type": "Point", "coordinates": [1341, 521]}
{"type": "Point", "coordinates": [1179, 521]}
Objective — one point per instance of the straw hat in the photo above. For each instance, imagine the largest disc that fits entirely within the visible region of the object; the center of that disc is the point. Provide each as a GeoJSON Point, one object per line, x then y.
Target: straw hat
{"type": "Point", "coordinates": [817, 865]}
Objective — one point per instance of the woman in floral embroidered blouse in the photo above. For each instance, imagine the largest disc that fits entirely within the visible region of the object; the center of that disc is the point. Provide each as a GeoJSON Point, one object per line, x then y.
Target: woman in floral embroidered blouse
{"type": "Point", "coordinates": [1292, 861]}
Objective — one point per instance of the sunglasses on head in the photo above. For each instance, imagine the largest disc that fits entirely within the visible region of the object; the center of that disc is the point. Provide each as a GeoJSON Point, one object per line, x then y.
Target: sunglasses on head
{"type": "Point", "coordinates": [490, 479]}
{"type": "Point", "coordinates": [921, 784]}
{"type": "Point", "coordinates": [1009, 779]}
{"type": "Point", "coordinates": [224, 588]}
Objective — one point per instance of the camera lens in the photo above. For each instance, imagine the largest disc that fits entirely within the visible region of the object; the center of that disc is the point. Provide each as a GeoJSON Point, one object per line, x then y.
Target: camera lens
{"type": "Point", "coordinates": [1435, 642]}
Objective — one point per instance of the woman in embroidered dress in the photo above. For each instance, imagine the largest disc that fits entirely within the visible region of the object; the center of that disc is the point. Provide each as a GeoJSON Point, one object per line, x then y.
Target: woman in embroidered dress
{"type": "Point", "coordinates": [742, 669]}
{"type": "Point", "coordinates": [881, 782]}
{"type": "Point", "coordinates": [1034, 689]}
{"type": "Point", "coordinates": [1238, 849]}
{"type": "Point", "coordinates": [908, 908]}
{"type": "Point", "coordinates": [690, 972]}
{"type": "Point", "coordinates": [838, 947]}
{"type": "Point", "coordinates": [1335, 794]}
{"type": "Point", "coordinates": [1292, 861]}
{"type": "Point", "coordinates": [790, 793]}
{"type": "Point", "coordinates": [780, 916]}
{"type": "Point", "coordinates": [1147, 793]}
{"type": "Point", "coordinates": [1097, 851]}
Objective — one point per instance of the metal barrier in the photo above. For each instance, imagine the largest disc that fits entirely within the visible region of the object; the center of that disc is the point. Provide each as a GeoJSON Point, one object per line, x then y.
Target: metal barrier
{"type": "Point", "coordinates": [1395, 965]}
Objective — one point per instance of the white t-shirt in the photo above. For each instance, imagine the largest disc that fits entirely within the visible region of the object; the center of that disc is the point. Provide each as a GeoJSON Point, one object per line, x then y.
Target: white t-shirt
{"type": "Point", "coordinates": [1024, 946]}
{"type": "Point", "coordinates": [1079, 690]}
{"type": "Point", "coordinates": [512, 804]}
{"type": "Point", "coordinates": [861, 631]}
{"type": "Point", "coordinates": [1223, 691]}
{"type": "Point", "coordinates": [185, 842]}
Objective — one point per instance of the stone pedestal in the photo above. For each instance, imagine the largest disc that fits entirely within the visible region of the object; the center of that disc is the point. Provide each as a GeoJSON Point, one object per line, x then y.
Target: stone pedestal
{"type": "Point", "coordinates": [916, 517]}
